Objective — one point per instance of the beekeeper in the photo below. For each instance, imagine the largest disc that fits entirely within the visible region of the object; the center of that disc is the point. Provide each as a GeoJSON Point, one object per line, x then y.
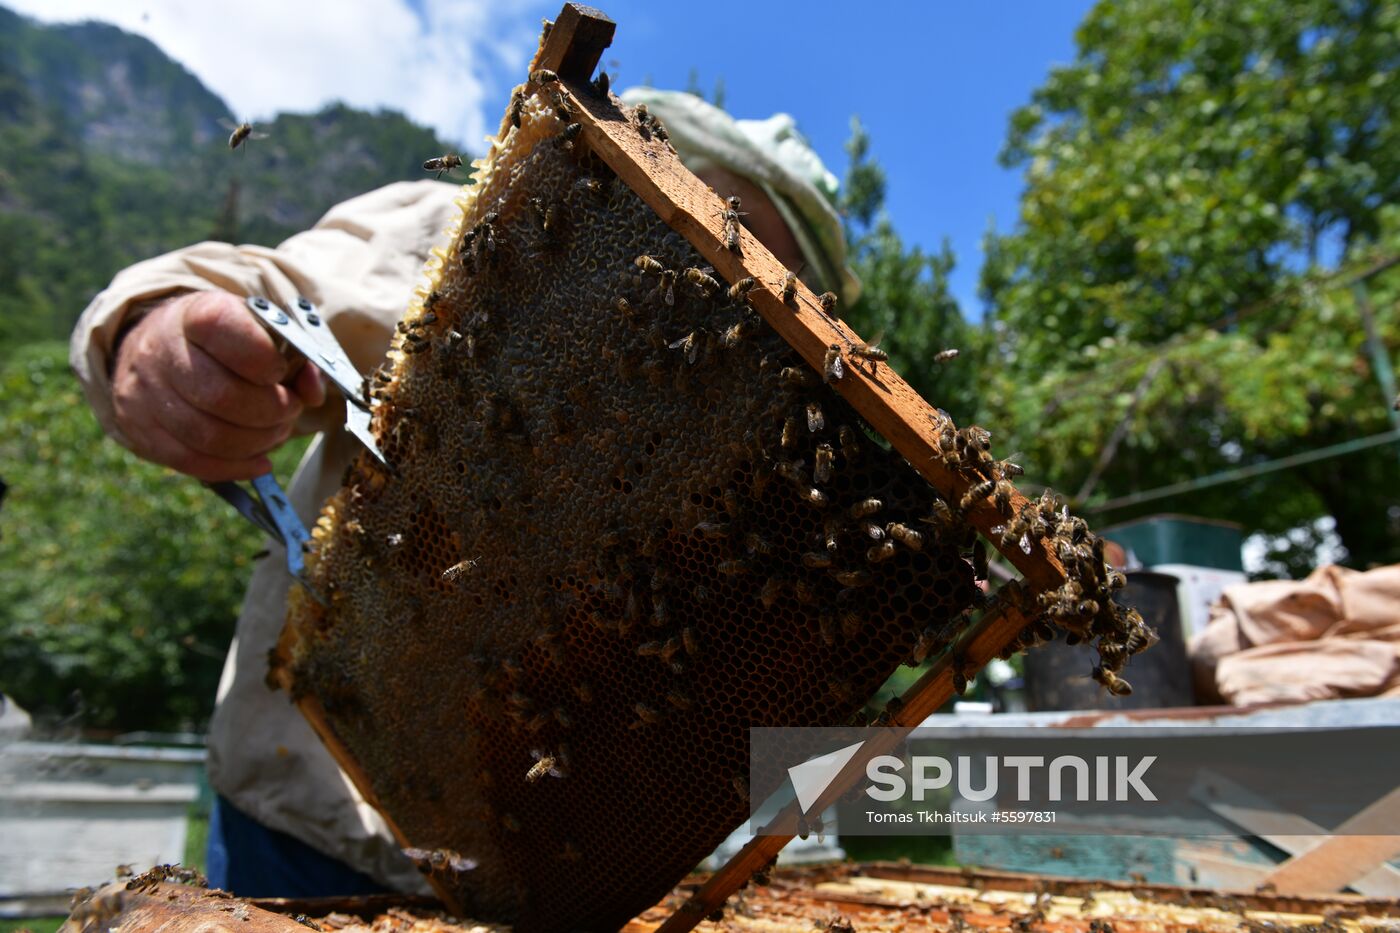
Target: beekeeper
{"type": "Point", "coordinates": [178, 370]}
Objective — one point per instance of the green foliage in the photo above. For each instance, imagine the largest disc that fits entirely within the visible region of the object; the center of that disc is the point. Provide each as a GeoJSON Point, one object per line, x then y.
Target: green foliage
{"type": "Point", "coordinates": [1186, 176]}
{"type": "Point", "coordinates": [119, 581]}
{"type": "Point", "coordinates": [904, 294]}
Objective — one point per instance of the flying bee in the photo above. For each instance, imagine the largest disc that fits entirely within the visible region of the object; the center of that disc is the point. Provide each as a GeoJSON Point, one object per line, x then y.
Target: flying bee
{"type": "Point", "coordinates": [1007, 469]}
{"type": "Point", "coordinates": [821, 468]}
{"type": "Point", "coordinates": [880, 552]}
{"type": "Point", "coordinates": [828, 302]}
{"type": "Point", "coordinates": [853, 578]}
{"type": "Point", "coordinates": [689, 345]}
{"type": "Point", "coordinates": [649, 264]}
{"type": "Point", "coordinates": [815, 419]}
{"type": "Point", "coordinates": [517, 107]}
{"type": "Point", "coordinates": [905, 535]}
{"type": "Point", "coordinates": [798, 376]}
{"type": "Point", "coordinates": [543, 76]}
{"type": "Point", "coordinates": [866, 507]}
{"type": "Point", "coordinates": [789, 287]}
{"type": "Point", "coordinates": [241, 133]}
{"type": "Point", "coordinates": [700, 280]}
{"type": "Point", "coordinates": [976, 494]}
{"type": "Point", "coordinates": [945, 356]}
{"type": "Point", "coordinates": [1140, 639]}
{"type": "Point", "coordinates": [740, 289]}
{"type": "Point", "coordinates": [544, 764]}
{"type": "Point", "coordinates": [442, 164]}
{"type": "Point", "coordinates": [832, 366]}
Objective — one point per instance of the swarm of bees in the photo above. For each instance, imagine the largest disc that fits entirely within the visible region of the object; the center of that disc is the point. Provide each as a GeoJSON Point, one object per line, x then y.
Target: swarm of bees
{"type": "Point", "coordinates": [621, 520]}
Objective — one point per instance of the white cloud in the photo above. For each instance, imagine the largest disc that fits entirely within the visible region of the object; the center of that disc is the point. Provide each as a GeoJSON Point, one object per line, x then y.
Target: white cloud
{"type": "Point", "coordinates": [446, 63]}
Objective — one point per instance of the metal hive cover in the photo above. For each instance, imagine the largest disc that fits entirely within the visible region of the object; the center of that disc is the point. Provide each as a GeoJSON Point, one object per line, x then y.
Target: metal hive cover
{"type": "Point", "coordinates": [624, 523]}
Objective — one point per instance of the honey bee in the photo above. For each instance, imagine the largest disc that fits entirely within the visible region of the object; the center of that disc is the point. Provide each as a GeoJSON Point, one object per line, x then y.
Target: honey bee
{"type": "Point", "coordinates": [798, 376]}
{"type": "Point", "coordinates": [866, 507]}
{"type": "Point", "coordinates": [850, 445]}
{"type": "Point", "coordinates": [700, 280]}
{"type": "Point", "coordinates": [543, 765]}
{"type": "Point", "coordinates": [442, 164]}
{"type": "Point", "coordinates": [815, 419]}
{"type": "Point", "coordinates": [646, 716]}
{"type": "Point", "coordinates": [517, 107]}
{"type": "Point", "coordinates": [733, 568]}
{"type": "Point", "coordinates": [828, 302]}
{"type": "Point", "coordinates": [841, 690]}
{"type": "Point", "coordinates": [870, 352]}
{"type": "Point", "coordinates": [821, 468]}
{"type": "Point", "coordinates": [976, 494]}
{"type": "Point", "coordinates": [660, 614]}
{"type": "Point", "coordinates": [741, 787]}
{"type": "Point", "coordinates": [788, 440]}
{"type": "Point", "coordinates": [804, 592]}
{"type": "Point", "coordinates": [791, 470]}
{"type": "Point", "coordinates": [814, 496]}
{"type": "Point", "coordinates": [816, 560]}
{"type": "Point", "coordinates": [712, 529]}
{"type": "Point", "coordinates": [569, 134]}
{"type": "Point", "coordinates": [680, 700]}
{"type": "Point", "coordinates": [731, 223]}
{"type": "Point", "coordinates": [731, 502]}
{"type": "Point", "coordinates": [880, 552]}
{"type": "Point", "coordinates": [827, 626]}
{"type": "Point", "coordinates": [667, 287]}
{"type": "Point", "coordinates": [945, 356]}
{"type": "Point", "coordinates": [543, 76]}
{"type": "Point", "coordinates": [1117, 580]}
{"type": "Point", "coordinates": [562, 110]}
{"type": "Point", "coordinates": [649, 264]}
{"type": "Point", "coordinates": [959, 681]}
{"type": "Point", "coordinates": [740, 289]}
{"type": "Point", "coordinates": [853, 578]}
{"type": "Point", "coordinates": [394, 541]}
{"type": "Point", "coordinates": [455, 573]}
{"type": "Point", "coordinates": [601, 84]}
{"type": "Point", "coordinates": [241, 133]}
{"type": "Point", "coordinates": [584, 691]}
{"type": "Point", "coordinates": [1140, 639]}
{"type": "Point", "coordinates": [650, 649]}
{"type": "Point", "coordinates": [1007, 469]}
{"type": "Point", "coordinates": [789, 287]}
{"type": "Point", "coordinates": [1001, 497]}
{"type": "Point", "coordinates": [979, 560]}
{"type": "Point", "coordinates": [905, 535]}
{"type": "Point", "coordinates": [831, 529]}
{"type": "Point", "coordinates": [689, 345]}
{"type": "Point", "coordinates": [1112, 682]}
{"type": "Point", "coordinates": [872, 531]}
{"type": "Point", "coordinates": [832, 366]}
{"type": "Point", "coordinates": [690, 638]}
{"type": "Point", "coordinates": [736, 332]}
{"type": "Point", "coordinates": [757, 544]}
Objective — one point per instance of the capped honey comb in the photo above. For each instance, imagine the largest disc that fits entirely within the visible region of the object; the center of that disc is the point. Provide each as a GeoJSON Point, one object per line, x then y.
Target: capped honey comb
{"type": "Point", "coordinates": [623, 522]}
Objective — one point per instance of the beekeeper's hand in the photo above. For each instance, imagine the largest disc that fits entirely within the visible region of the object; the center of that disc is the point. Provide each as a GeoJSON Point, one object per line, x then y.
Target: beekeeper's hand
{"type": "Point", "coordinates": [199, 386]}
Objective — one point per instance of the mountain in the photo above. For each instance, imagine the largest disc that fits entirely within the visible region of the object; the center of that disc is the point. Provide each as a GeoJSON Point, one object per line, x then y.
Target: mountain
{"type": "Point", "coordinates": [111, 152]}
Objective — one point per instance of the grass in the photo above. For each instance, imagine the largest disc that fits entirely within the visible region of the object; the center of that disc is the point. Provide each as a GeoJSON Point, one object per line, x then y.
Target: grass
{"type": "Point", "coordinates": [32, 924]}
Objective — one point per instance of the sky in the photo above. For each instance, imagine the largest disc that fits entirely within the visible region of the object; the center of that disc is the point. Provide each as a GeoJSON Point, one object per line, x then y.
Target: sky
{"type": "Point", "coordinates": [934, 82]}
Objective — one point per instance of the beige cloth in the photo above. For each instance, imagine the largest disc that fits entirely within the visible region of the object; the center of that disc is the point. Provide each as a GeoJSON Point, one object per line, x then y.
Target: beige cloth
{"type": "Point", "coordinates": [360, 264]}
{"type": "Point", "coordinates": [1335, 634]}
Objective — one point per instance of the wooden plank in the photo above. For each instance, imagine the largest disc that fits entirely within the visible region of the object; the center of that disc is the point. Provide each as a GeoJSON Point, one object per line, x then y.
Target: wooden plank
{"type": "Point", "coordinates": [575, 42]}
{"type": "Point", "coordinates": [1349, 858]}
{"type": "Point", "coordinates": [1299, 836]}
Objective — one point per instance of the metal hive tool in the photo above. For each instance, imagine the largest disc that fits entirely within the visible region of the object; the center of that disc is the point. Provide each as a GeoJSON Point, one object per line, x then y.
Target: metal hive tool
{"type": "Point", "coordinates": [624, 519]}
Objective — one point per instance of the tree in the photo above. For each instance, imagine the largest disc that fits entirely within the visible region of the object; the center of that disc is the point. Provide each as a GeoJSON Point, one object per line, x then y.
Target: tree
{"type": "Point", "coordinates": [1203, 183]}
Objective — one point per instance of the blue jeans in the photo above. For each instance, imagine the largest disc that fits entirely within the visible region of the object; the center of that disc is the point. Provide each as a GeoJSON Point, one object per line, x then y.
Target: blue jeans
{"type": "Point", "coordinates": [251, 860]}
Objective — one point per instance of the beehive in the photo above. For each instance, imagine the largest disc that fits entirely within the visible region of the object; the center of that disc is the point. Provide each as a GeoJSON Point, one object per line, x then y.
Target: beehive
{"type": "Point", "coordinates": [623, 522]}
